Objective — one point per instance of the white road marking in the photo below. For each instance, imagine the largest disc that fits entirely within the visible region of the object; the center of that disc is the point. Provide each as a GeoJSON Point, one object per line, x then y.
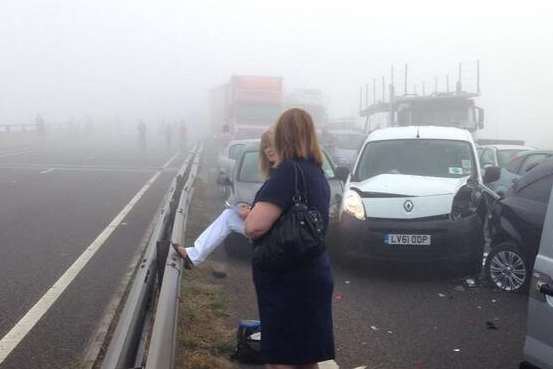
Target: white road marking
{"type": "Point", "coordinates": [10, 341]}
{"type": "Point", "coordinates": [4, 155]}
{"type": "Point", "coordinates": [330, 364]}
{"type": "Point", "coordinates": [91, 168]}
{"type": "Point", "coordinates": [88, 169]}
{"type": "Point", "coordinates": [170, 161]}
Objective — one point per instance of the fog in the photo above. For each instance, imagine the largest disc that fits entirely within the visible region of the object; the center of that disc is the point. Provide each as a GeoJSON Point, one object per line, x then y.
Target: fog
{"type": "Point", "coordinates": [115, 60]}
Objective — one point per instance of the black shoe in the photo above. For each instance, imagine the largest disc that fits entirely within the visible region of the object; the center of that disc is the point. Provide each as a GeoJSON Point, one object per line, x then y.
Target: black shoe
{"type": "Point", "coordinates": [186, 260]}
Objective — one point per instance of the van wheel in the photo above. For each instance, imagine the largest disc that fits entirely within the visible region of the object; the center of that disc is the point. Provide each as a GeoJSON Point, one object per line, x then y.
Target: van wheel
{"type": "Point", "coordinates": [507, 268]}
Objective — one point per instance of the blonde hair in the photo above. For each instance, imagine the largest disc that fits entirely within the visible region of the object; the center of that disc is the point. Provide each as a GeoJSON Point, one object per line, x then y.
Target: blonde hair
{"type": "Point", "coordinates": [267, 140]}
{"type": "Point", "coordinates": [295, 137]}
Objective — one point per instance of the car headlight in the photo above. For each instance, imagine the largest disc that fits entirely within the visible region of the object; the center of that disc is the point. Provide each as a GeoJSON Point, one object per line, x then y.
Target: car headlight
{"type": "Point", "coordinates": [353, 205]}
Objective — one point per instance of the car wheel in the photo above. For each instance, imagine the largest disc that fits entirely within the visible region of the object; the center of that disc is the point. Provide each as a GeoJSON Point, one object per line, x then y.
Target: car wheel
{"type": "Point", "coordinates": [507, 268]}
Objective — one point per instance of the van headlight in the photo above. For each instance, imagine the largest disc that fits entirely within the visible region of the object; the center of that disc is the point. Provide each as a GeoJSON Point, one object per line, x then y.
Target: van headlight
{"type": "Point", "coordinates": [353, 205]}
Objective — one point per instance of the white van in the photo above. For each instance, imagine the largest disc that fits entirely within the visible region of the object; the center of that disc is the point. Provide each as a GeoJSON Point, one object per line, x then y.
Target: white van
{"type": "Point", "coordinates": [538, 347]}
{"type": "Point", "coordinates": [415, 195]}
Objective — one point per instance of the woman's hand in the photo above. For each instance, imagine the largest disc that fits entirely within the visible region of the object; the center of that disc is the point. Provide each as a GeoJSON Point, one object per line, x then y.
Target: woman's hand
{"type": "Point", "coordinates": [244, 210]}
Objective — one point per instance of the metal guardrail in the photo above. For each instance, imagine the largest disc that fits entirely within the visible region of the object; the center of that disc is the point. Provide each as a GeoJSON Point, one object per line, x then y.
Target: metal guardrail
{"type": "Point", "coordinates": [161, 354]}
{"type": "Point", "coordinates": [127, 345]}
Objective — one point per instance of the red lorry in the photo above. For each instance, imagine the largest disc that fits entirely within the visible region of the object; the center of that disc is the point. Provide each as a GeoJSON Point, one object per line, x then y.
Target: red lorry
{"type": "Point", "coordinates": [246, 105]}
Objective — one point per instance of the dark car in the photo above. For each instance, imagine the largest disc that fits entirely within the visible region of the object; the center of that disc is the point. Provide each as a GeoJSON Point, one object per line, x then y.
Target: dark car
{"type": "Point", "coordinates": [526, 161]}
{"type": "Point", "coordinates": [520, 164]}
{"type": "Point", "coordinates": [500, 155]}
{"type": "Point", "coordinates": [516, 227]}
{"type": "Point", "coordinates": [247, 179]}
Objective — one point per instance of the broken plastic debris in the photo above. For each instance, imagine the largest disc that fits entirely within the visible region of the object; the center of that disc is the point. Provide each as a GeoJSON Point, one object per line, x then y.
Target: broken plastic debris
{"type": "Point", "coordinates": [390, 332]}
{"type": "Point", "coordinates": [374, 328]}
{"type": "Point", "coordinates": [348, 282]}
{"type": "Point", "coordinates": [457, 350]}
{"type": "Point", "coordinates": [470, 282]}
{"type": "Point", "coordinates": [491, 325]}
{"type": "Point", "coordinates": [256, 336]}
{"type": "Point", "coordinates": [494, 301]}
{"type": "Point", "coordinates": [441, 295]}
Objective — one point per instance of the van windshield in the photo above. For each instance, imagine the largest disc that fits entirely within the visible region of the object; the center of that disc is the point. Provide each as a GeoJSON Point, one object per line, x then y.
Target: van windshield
{"type": "Point", "coordinates": [420, 157]}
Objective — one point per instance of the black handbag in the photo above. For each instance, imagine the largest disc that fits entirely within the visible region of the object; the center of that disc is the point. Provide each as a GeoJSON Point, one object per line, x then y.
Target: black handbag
{"type": "Point", "coordinates": [296, 238]}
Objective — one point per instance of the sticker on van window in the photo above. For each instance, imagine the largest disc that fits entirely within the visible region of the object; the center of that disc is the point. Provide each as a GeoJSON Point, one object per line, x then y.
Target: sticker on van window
{"type": "Point", "coordinates": [466, 164]}
{"type": "Point", "coordinates": [456, 171]}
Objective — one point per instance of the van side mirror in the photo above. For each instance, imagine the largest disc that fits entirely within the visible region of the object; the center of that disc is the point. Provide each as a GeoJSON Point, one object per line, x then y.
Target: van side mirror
{"type": "Point", "coordinates": [341, 173]}
{"type": "Point", "coordinates": [491, 174]}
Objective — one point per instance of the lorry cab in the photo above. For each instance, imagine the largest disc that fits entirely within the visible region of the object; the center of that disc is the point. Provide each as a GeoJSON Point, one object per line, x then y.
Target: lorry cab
{"type": "Point", "coordinates": [538, 346]}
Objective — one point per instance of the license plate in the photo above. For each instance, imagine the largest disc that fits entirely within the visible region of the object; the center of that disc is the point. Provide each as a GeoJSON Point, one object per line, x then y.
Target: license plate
{"type": "Point", "coordinates": [408, 239]}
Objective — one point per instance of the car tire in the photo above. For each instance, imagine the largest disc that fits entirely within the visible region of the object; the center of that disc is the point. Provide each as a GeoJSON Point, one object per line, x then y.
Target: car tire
{"type": "Point", "coordinates": [507, 268]}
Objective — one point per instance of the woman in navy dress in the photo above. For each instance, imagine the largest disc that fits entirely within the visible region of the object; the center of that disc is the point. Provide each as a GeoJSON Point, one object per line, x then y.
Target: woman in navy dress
{"type": "Point", "coordinates": [295, 305]}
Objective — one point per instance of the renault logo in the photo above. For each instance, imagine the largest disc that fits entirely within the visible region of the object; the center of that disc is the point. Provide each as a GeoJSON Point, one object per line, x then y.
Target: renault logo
{"type": "Point", "coordinates": [408, 206]}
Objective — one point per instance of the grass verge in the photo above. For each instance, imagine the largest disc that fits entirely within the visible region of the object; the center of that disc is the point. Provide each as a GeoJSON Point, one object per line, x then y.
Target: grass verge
{"type": "Point", "coordinates": [203, 339]}
{"type": "Point", "coordinates": [204, 342]}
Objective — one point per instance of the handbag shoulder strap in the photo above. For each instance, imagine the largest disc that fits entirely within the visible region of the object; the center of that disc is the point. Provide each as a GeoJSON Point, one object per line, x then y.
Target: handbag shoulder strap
{"type": "Point", "coordinates": [299, 196]}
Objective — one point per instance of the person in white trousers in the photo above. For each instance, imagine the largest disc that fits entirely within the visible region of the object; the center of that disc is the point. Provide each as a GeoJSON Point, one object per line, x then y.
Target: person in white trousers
{"type": "Point", "coordinates": [230, 220]}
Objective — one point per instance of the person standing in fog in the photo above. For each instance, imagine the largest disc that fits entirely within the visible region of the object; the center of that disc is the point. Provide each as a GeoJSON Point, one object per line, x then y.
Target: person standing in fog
{"type": "Point", "coordinates": [295, 306]}
{"type": "Point", "coordinates": [182, 136]}
{"type": "Point", "coordinates": [168, 135]}
{"type": "Point", "coordinates": [141, 135]}
{"type": "Point", "coordinates": [40, 126]}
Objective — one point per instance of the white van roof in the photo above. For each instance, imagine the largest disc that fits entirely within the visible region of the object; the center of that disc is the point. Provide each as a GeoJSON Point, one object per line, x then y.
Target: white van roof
{"type": "Point", "coordinates": [425, 132]}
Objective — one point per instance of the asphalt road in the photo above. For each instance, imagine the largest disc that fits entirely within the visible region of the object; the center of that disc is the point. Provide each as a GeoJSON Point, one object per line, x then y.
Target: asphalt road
{"type": "Point", "coordinates": [57, 194]}
{"type": "Point", "coordinates": [395, 316]}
